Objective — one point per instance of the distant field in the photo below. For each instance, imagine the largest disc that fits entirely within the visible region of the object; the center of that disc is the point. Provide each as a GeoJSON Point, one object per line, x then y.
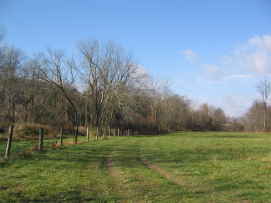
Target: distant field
{"type": "Point", "coordinates": [180, 167]}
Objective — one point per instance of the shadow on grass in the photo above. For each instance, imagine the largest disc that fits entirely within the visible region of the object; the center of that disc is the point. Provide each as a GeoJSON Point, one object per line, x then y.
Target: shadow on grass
{"type": "Point", "coordinates": [227, 136]}
{"type": "Point", "coordinates": [127, 154]}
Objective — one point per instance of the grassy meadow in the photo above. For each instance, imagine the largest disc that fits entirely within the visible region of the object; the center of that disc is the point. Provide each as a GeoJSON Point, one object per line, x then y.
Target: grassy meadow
{"type": "Point", "coordinates": [179, 167]}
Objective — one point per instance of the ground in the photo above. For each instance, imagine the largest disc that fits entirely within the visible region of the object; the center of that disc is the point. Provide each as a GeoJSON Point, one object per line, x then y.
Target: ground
{"type": "Point", "coordinates": [179, 167]}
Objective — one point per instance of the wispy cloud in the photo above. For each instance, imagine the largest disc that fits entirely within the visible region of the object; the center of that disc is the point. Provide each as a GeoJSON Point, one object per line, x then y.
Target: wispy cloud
{"type": "Point", "coordinates": [239, 76]}
{"type": "Point", "coordinates": [236, 105]}
{"type": "Point", "coordinates": [251, 59]}
{"type": "Point", "coordinates": [213, 72]}
{"type": "Point", "coordinates": [262, 42]}
{"type": "Point", "coordinates": [190, 55]}
{"type": "Point", "coordinates": [254, 56]}
{"type": "Point", "coordinates": [244, 65]}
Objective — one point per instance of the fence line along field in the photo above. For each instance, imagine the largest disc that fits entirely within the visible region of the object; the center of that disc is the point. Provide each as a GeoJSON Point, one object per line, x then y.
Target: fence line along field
{"type": "Point", "coordinates": [178, 167]}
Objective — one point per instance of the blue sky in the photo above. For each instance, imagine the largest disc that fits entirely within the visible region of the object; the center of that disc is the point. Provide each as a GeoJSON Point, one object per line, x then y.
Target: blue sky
{"type": "Point", "coordinates": [210, 51]}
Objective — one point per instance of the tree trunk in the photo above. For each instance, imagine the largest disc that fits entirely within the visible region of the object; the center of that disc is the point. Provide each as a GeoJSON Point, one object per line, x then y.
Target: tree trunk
{"type": "Point", "coordinates": [8, 147]}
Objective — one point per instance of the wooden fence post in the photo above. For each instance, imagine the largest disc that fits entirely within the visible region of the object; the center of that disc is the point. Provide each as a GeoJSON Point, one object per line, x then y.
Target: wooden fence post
{"type": "Point", "coordinates": [8, 147]}
{"type": "Point", "coordinates": [103, 133]}
{"type": "Point", "coordinates": [128, 132]}
{"type": "Point", "coordinates": [118, 132]}
{"type": "Point", "coordinates": [88, 133]}
{"type": "Point", "coordinates": [61, 136]}
{"type": "Point", "coordinates": [97, 133]}
{"type": "Point", "coordinates": [41, 134]}
{"type": "Point", "coordinates": [76, 131]}
{"type": "Point", "coordinates": [76, 135]}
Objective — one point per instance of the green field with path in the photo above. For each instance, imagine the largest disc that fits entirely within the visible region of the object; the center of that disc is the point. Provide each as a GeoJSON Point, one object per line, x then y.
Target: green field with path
{"type": "Point", "coordinates": [178, 167]}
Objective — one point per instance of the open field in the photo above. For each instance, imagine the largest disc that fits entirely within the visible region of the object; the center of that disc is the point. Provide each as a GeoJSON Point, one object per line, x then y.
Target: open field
{"type": "Point", "coordinates": [180, 167]}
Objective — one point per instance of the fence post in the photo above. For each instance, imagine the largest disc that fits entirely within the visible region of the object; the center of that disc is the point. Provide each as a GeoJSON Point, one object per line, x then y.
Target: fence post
{"type": "Point", "coordinates": [103, 133]}
{"type": "Point", "coordinates": [61, 136]}
{"type": "Point", "coordinates": [118, 132]}
{"type": "Point", "coordinates": [41, 133]}
{"type": "Point", "coordinates": [8, 147]}
{"type": "Point", "coordinates": [76, 135]}
{"type": "Point", "coordinates": [97, 133]}
{"type": "Point", "coordinates": [76, 118]}
{"type": "Point", "coordinates": [88, 133]}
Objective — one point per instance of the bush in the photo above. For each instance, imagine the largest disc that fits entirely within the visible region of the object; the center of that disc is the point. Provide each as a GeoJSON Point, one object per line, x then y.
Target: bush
{"type": "Point", "coordinates": [31, 131]}
{"type": "Point", "coordinates": [4, 127]}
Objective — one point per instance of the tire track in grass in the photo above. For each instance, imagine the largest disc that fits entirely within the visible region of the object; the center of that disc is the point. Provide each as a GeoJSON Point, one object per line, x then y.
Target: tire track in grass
{"type": "Point", "coordinates": [163, 172]}
{"type": "Point", "coordinates": [113, 171]}
{"type": "Point", "coordinates": [116, 166]}
{"type": "Point", "coordinates": [132, 181]}
{"type": "Point", "coordinates": [119, 186]}
{"type": "Point", "coordinates": [144, 184]}
{"type": "Point", "coordinates": [182, 182]}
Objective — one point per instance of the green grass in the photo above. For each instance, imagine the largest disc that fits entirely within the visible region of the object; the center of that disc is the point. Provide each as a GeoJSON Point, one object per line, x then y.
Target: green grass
{"type": "Point", "coordinates": [209, 167]}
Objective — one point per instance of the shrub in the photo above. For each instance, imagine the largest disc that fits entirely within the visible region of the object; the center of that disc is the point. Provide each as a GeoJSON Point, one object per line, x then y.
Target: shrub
{"type": "Point", "coordinates": [31, 131]}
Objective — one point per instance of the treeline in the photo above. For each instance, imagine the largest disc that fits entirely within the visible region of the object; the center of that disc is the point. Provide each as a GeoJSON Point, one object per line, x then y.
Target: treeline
{"type": "Point", "coordinates": [102, 86]}
{"type": "Point", "coordinates": [258, 117]}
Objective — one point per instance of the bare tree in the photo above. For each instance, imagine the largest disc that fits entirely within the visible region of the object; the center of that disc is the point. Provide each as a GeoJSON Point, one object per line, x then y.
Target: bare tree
{"type": "Point", "coordinates": [106, 70]}
{"type": "Point", "coordinates": [264, 89]}
{"type": "Point", "coordinates": [61, 73]}
{"type": "Point", "coordinates": [10, 64]}
{"type": "Point", "coordinates": [113, 92]}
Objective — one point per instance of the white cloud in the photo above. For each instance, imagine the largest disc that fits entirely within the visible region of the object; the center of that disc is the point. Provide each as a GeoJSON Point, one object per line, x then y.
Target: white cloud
{"type": "Point", "coordinates": [252, 59]}
{"type": "Point", "coordinates": [262, 42]}
{"type": "Point", "coordinates": [213, 72]}
{"type": "Point", "coordinates": [239, 76]}
{"type": "Point", "coordinates": [259, 62]}
{"type": "Point", "coordinates": [242, 67]}
{"type": "Point", "coordinates": [190, 55]}
{"type": "Point", "coordinates": [236, 105]}
{"type": "Point", "coordinates": [216, 73]}
{"type": "Point", "coordinates": [254, 56]}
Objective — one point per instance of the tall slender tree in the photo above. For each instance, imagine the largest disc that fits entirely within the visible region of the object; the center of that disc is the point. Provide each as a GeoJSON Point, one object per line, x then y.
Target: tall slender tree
{"type": "Point", "coordinates": [264, 89]}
